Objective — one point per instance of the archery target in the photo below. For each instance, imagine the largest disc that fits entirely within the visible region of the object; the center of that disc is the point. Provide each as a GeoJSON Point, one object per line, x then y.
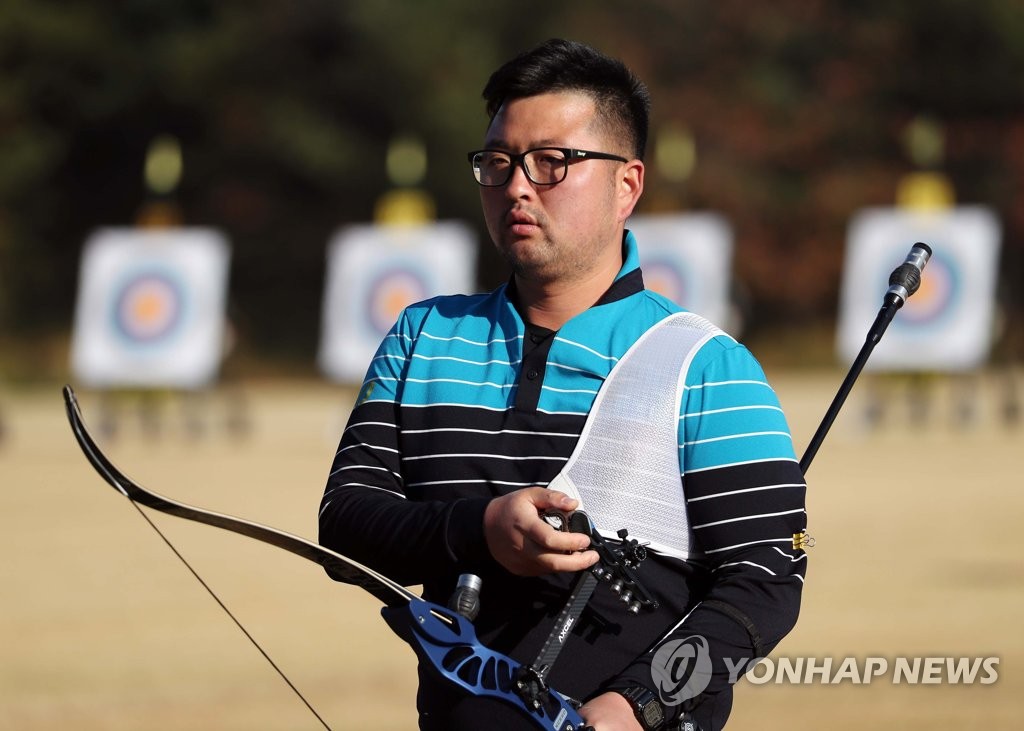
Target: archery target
{"type": "Point", "coordinates": [373, 273]}
{"type": "Point", "coordinates": [687, 258]}
{"type": "Point", "coordinates": [147, 308]}
{"type": "Point", "coordinates": [947, 324]}
{"type": "Point", "coordinates": [390, 290]}
{"type": "Point", "coordinates": [150, 308]}
{"type": "Point", "coordinates": [663, 275]}
{"type": "Point", "coordinates": [937, 300]}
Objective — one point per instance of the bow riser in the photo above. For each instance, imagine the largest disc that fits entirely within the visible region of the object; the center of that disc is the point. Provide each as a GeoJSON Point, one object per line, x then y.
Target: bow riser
{"type": "Point", "coordinates": [447, 642]}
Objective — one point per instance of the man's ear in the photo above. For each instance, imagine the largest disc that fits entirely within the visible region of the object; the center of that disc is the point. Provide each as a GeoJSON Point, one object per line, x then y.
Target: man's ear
{"type": "Point", "coordinates": [631, 185]}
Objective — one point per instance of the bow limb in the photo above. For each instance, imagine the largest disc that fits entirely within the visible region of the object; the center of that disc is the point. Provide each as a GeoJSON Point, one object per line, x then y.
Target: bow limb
{"type": "Point", "coordinates": [388, 591]}
{"type": "Point", "coordinates": [441, 638]}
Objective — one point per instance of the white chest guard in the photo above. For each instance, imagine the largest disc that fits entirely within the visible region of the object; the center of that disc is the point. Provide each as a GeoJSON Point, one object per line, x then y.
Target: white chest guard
{"type": "Point", "coordinates": [625, 469]}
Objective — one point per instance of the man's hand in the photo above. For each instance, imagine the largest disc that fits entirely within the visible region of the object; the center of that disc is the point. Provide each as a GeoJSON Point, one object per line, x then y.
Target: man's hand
{"type": "Point", "coordinates": [610, 712]}
{"type": "Point", "coordinates": [524, 543]}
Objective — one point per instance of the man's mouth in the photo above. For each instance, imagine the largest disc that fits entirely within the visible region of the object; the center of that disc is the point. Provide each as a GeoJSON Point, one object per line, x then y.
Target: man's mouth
{"type": "Point", "coordinates": [520, 224]}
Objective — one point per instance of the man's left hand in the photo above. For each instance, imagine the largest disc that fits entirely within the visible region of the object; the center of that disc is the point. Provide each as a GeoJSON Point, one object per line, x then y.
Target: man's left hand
{"type": "Point", "coordinates": [610, 712]}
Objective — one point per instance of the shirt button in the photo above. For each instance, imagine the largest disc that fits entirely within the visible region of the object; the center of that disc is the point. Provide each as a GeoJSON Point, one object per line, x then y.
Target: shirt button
{"type": "Point", "coordinates": [532, 375]}
{"type": "Point", "coordinates": [535, 338]}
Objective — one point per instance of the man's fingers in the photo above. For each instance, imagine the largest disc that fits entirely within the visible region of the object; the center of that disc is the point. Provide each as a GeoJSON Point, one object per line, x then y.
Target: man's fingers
{"type": "Point", "coordinates": [568, 562]}
{"type": "Point", "coordinates": [543, 498]}
{"type": "Point", "coordinates": [547, 538]}
{"type": "Point", "coordinates": [524, 543]}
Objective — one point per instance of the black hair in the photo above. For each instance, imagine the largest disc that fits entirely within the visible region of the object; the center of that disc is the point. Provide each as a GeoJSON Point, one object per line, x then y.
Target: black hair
{"type": "Point", "coordinates": [558, 65]}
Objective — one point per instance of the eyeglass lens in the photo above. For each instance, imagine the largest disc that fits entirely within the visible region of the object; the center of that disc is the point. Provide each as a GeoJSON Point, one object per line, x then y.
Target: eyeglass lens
{"type": "Point", "coordinates": [543, 167]}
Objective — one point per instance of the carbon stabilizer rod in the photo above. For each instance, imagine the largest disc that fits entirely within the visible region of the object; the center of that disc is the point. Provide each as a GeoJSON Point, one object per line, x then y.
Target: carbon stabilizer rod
{"type": "Point", "coordinates": [903, 282]}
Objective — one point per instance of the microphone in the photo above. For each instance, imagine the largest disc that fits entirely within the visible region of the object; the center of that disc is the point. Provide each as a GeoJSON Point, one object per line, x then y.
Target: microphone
{"type": "Point", "coordinates": [466, 598]}
{"type": "Point", "coordinates": [906, 278]}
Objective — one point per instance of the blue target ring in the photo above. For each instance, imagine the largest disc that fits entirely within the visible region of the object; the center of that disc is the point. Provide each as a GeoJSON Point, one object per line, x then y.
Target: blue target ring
{"type": "Point", "coordinates": [148, 309]}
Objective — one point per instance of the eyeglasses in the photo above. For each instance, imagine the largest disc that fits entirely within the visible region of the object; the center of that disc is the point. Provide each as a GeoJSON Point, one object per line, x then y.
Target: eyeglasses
{"type": "Point", "coordinates": [542, 165]}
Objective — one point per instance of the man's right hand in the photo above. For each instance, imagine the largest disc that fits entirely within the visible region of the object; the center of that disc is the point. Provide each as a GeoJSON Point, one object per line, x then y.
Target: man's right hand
{"type": "Point", "coordinates": [524, 543]}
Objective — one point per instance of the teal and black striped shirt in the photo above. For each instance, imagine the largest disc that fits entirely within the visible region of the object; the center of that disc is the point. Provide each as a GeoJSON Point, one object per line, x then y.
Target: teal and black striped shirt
{"type": "Point", "coordinates": [464, 401]}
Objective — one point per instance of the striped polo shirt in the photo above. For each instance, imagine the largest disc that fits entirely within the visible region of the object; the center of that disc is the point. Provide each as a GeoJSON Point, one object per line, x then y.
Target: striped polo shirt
{"type": "Point", "coordinates": [464, 401]}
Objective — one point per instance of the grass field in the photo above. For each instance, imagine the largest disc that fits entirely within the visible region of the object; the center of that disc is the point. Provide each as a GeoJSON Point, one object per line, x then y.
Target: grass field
{"type": "Point", "coordinates": [919, 554]}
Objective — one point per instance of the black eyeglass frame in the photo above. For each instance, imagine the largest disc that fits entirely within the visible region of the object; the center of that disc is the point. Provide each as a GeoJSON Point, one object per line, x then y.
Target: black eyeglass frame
{"type": "Point", "coordinates": [571, 155]}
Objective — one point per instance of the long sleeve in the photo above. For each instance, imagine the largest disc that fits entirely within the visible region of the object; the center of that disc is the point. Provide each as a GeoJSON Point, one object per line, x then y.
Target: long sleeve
{"type": "Point", "coordinates": [365, 512]}
{"type": "Point", "coordinates": [457, 410]}
{"type": "Point", "coordinates": [745, 499]}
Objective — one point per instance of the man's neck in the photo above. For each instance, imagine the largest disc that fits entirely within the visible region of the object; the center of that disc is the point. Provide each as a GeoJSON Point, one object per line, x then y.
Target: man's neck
{"type": "Point", "coordinates": [552, 304]}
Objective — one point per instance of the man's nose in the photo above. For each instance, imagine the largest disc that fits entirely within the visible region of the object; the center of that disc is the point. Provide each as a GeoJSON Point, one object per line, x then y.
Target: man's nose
{"type": "Point", "coordinates": [519, 183]}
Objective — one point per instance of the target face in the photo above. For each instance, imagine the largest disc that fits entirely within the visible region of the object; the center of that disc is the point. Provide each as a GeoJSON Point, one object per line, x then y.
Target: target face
{"type": "Point", "coordinates": [147, 308]}
{"type": "Point", "coordinates": [937, 300]}
{"type": "Point", "coordinates": [668, 278]}
{"type": "Point", "coordinates": [150, 310]}
{"type": "Point", "coordinates": [687, 258]}
{"type": "Point", "coordinates": [392, 290]}
{"type": "Point", "coordinates": [947, 324]}
{"type": "Point", "coordinates": [373, 273]}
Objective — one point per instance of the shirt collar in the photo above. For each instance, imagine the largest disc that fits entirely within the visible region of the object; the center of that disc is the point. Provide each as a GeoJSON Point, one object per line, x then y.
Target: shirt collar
{"type": "Point", "coordinates": [629, 280]}
{"type": "Point", "coordinates": [630, 254]}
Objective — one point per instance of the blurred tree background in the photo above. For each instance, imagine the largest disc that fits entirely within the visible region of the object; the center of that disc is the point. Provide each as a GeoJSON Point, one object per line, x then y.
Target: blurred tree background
{"type": "Point", "coordinates": [798, 111]}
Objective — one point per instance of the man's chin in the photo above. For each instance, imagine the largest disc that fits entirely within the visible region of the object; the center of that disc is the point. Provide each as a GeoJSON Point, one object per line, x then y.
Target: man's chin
{"type": "Point", "coordinates": [523, 252]}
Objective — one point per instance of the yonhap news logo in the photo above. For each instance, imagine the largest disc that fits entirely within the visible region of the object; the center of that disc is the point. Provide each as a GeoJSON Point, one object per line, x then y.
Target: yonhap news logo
{"type": "Point", "coordinates": [864, 671]}
{"type": "Point", "coordinates": [681, 669]}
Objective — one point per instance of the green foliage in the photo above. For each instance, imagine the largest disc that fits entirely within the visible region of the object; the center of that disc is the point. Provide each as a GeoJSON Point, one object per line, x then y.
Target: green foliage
{"type": "Point", "coordinates": [284, 111]}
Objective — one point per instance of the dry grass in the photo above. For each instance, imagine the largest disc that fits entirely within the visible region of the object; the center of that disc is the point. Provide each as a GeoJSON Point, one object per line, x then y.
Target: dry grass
{"type": "Point", "coordinates": [918, 553]}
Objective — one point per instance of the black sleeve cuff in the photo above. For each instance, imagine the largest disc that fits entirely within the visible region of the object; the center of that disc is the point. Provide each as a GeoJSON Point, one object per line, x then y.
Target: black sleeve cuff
{"type": "Point", "coordinates": [464, 531]}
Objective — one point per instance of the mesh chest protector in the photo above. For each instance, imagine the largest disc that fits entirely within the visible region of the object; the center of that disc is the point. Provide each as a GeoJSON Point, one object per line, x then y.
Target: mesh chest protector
{"type": "Point", "coordinates": [625, 469]}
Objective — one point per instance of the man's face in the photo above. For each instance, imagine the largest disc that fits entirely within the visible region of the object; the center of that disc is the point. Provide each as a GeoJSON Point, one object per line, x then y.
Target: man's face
{"type": "Point", "coordinates": [563, 232]}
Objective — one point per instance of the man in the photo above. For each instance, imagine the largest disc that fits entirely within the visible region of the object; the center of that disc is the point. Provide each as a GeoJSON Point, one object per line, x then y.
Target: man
{"type": "Point", "coordinates": [473, 404]}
